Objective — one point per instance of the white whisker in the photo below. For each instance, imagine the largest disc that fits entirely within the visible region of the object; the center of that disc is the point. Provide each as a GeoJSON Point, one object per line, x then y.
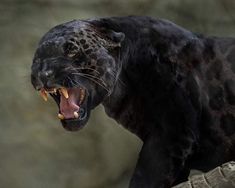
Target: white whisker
{"type": "Point", "coordinates": [90, 78]}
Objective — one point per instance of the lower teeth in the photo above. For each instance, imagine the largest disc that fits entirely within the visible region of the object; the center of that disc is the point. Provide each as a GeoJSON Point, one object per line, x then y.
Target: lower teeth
{"type": "Point", "coordinates": [76, 115]}
{"type": "Point", "coordinates": [60, 116]}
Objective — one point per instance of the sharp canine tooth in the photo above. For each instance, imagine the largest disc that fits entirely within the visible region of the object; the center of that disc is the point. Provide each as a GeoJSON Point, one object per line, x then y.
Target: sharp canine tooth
{"type": "Point", "coordinates": [81, 98]}
{"type": "Point", "coordinates": [55, 91]}
{"type": "Point", "coordinates": [64, 92]}
{"type": "Point", "coordinates": [76, 115]}
{"type": "Point", "coordinates": [82, 95]}
{"type": "Point", "coordinates": [60, 116]}
{"type": "Point", "coordinates": [43, 94]}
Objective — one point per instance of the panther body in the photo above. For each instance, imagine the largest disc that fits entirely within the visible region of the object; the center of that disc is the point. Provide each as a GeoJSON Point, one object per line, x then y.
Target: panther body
{"type": "Point", "coordinates": [173, 88]}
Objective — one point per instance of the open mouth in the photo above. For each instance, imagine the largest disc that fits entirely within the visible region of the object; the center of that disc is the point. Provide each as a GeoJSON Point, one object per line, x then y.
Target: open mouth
{"type": "Point", "coordinates": [72, 103]}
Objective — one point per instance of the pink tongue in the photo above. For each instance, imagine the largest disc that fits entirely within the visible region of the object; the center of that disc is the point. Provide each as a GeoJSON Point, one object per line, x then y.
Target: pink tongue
{"type": "Point", "coordinates": [69, 106]}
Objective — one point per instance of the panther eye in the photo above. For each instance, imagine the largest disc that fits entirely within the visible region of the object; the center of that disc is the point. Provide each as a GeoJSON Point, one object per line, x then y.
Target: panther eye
{"type": "Point", "coordinates": [71, 49]}
{"type": "Point", "coordinates": [71, 54]}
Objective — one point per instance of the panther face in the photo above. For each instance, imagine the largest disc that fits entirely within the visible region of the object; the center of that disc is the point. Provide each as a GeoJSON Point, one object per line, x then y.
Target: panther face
{"type": "Point", "coordinates": [77, 65]}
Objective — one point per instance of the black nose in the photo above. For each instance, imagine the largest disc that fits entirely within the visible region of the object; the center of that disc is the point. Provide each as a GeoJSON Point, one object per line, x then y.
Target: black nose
{"type": "Point", "coordinates": [46, 77]}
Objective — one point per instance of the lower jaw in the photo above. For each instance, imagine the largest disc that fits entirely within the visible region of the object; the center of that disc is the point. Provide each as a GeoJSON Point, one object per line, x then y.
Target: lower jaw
{"type": "Point", "coordinates": [76, 124]}
{"type": "Point", "coordinates": [72, 124]}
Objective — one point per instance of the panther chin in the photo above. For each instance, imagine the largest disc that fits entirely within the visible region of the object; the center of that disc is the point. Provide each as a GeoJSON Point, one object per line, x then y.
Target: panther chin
{"type": "Point", "coordinates": [73, 105]}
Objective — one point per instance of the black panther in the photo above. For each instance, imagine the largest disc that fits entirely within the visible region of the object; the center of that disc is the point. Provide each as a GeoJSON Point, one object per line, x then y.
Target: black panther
{"type": "Point", "coordinates": [173, 88]}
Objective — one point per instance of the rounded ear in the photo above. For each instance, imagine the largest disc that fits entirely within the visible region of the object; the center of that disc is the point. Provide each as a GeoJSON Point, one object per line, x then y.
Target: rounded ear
{"type": "Point", "coordinates": [107, 29]}
{"type": "Point", "coordinates": [117, 37]}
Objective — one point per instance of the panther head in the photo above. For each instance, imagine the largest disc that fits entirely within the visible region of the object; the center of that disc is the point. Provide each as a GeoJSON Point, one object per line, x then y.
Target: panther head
{"type": "Point", "coordinates": [76, 63]}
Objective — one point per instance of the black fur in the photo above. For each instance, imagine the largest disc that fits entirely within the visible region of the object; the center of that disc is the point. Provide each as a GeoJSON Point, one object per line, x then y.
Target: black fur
{"type": "Point", "coordinates": [175, 90]}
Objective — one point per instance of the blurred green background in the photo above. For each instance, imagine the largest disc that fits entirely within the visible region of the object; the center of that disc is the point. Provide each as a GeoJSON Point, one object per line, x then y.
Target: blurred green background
{"type": "Point", "coordinates": [35, 151]}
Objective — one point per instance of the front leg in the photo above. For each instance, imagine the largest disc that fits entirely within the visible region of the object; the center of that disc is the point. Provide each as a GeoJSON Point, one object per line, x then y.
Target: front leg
{"type": "Point", "coordinates": [161, 163]}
